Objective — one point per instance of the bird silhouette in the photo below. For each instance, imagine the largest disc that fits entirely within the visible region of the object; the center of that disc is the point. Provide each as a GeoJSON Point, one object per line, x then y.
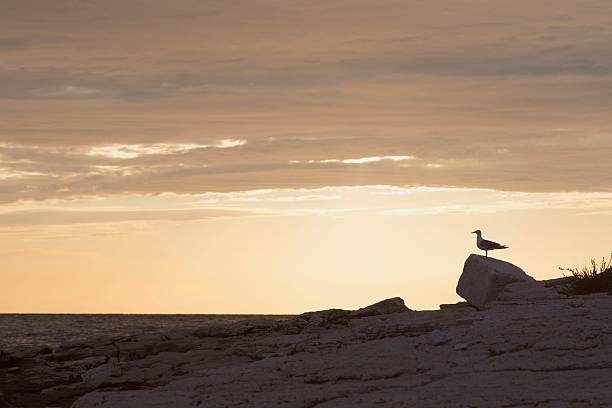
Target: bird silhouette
{"type": "Point", "coordinates": [486, 245]}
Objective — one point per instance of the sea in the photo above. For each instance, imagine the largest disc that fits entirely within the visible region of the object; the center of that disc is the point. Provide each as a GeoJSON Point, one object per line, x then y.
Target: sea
{"type": "Point", "coordinates": [18, 331]}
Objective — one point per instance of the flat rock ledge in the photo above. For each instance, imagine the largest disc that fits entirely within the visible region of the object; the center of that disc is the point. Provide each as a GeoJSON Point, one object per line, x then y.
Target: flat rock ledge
{"type": "Point", "coordinates": [530, 347]}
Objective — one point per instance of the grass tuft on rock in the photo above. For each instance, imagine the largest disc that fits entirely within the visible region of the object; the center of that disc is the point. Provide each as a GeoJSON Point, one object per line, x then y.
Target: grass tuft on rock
{"type": "Point", "coordinates": [595, 278]}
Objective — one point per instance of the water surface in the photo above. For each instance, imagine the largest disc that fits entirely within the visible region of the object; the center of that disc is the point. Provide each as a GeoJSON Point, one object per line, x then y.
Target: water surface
{"type": "Point", "coordinates": [38, 330]}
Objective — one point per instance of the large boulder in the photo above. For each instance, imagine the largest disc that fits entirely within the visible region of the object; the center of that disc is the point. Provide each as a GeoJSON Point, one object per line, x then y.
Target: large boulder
{"type": "Point", "coordinates": [483, 279]}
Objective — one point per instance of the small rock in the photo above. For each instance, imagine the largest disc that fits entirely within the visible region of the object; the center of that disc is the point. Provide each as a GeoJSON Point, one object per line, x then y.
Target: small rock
{"type": "Point", "coordinates": [312, 322]}
{"type": "Point", "coordinates": [460, 346]}
{"type": "Point", "coordinates": [388, 306]}
{"type": "Point", "coordinates": [576, 303]}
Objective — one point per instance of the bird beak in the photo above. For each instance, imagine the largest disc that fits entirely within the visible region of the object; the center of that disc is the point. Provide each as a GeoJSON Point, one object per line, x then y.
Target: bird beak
{"type": "Point", "coordinates": [473, 232]}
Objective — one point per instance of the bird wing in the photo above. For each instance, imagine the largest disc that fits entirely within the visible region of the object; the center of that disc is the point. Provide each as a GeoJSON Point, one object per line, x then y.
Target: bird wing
{"type": "Point", "coordinates": [489, 245]}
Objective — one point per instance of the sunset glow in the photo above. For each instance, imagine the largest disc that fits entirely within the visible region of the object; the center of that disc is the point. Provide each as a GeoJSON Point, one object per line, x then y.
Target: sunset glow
{"type": "Point", "coordinates": [275, 157]}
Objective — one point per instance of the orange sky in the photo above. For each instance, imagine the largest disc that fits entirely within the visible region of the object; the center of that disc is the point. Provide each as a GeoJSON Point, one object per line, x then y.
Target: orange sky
{"type": "Point", "coordinates": [273, 156]}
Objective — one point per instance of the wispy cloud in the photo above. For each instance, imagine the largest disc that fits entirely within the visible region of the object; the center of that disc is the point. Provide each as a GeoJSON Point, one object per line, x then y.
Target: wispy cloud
{"type": "Point", "coordinates": [118, 151]}
{"type": "Point", "coordinates": [131, 151]}
{"type": "Point", "coordinates": [8, 174]}
{"type": "Point", "coordinates": [64, 217]}
{"type": "Point", "coordinates": [373, 159]}
{"type": "Point", "coordinates": [361, 160]}
{"type": "Point", "coordinates": [227, 143]}
{"type": "Point", "coordinates": [67, 92]}
{"type": "Point", "coordinates": [326, 201]}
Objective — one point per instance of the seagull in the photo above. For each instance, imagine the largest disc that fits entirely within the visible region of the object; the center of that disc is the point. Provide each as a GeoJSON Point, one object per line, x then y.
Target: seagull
{"type": "Point", "coordinates": [486, 245]}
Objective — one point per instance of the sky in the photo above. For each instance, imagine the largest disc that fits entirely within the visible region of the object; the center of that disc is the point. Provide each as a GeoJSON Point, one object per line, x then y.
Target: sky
{"type": "Point", "coordinates": [277, 156]}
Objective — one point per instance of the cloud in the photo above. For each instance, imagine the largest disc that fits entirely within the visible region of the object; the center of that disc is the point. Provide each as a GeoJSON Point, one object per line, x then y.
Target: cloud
{"type": "Point", "coordinates": [132, 151]}
{"type": "Point", "coordinates": [7, 174]}
{"type": "Point", "coordinates": [101, 105]}
{"type": "Point", "coordinates": [227, 143]}
{"type": "Point", "coordinates": [118, 151]}
{"type": "Point", "coordinates": [397, 39]}
{"type": "Point", "coordinates": [311, 197]}
{"type": "Point", "coordinates": [361, 160]}
{"type": "Point", "coordinates": [373, 159]}
{"type": "Point", "coordinates": [64, 217]}
{"type": "Point", "coordinates": [531, 163]}
{"type": "Point", "coordinates": [66, 92]}
{"type": "Point", "coordinates": [326, 201]}
{"type": "Point", "coordinates": [491, 201]}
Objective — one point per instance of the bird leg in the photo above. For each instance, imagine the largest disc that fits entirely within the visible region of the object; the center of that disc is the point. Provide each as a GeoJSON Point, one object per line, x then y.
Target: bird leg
{"type": "Point", "coordinates": [486, 254]}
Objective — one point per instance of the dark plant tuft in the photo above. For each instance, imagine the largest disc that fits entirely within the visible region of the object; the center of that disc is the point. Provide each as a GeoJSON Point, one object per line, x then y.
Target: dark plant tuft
{"type": "Point", "coordinates": [595, 278]}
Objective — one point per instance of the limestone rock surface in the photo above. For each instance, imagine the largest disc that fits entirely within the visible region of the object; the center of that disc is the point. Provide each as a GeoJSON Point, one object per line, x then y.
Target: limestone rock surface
{"type": "Point", "coordinates": [529, 348]}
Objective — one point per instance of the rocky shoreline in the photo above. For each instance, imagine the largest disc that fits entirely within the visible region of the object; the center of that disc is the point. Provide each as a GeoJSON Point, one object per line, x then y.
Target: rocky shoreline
{"type": "Point", "coordinates": [526, 345]}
